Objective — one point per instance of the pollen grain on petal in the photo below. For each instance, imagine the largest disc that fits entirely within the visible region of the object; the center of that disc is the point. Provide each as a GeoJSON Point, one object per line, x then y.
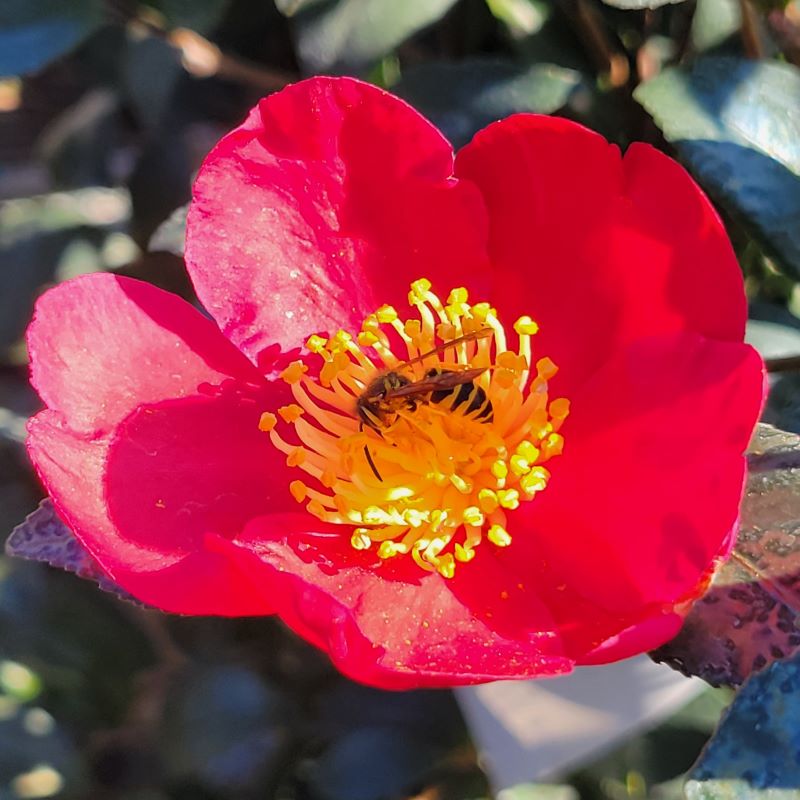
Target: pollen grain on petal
{"type": "Point", "coordinates": [422, 436]}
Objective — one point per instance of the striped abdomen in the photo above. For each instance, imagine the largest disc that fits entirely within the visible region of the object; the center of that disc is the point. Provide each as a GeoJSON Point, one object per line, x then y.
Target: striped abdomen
{"type": "Point", "coordinates": [468, 398]}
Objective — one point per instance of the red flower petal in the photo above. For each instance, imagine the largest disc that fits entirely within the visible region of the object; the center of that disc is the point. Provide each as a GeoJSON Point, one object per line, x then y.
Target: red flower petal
{"type": "Point", "coordinates": [399, 628]}
{"type": "Point", "coordinates": [654, 452]}
{"type": "Point", "coordinates": [599, 250]}
{"type": "Point", "coordinates": [200, 582]}
{"type": "Point", "coordinates": [326, 203]}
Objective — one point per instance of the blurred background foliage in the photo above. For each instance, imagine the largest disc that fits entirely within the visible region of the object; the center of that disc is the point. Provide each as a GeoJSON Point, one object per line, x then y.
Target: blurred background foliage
{"type": "Point", "coordinates": [107, 108]}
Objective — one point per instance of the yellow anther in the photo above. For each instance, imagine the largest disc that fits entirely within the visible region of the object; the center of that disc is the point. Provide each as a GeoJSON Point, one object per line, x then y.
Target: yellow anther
{"type": "Point", "coordinates": [509, 498]}
{"type": "Point", "coordinates": [559, 409]}
{"type": "Point", "coordinates": [519, 464]}
{"type": "Point", "coordinates": [438, 518]}
{"type": "Point", "coordinates": [481, 310]}
{"type": "Point", "coordinates": [328, 478]}
{"type": "Point", "coordinates": [463, 486]}
{"type": "Point", "coordinates": [545, 368]}
{"type": "Point", "coordinates": [553, 445]}
{"type": "Point", "coordinates": [367, 338]}
{"type": "Point", "coordinates": [388, 549]}
{"type": "Point", "coordinates": [291, 413]}
{"type": "Point", "coordinates": [473, 516]}
{"type": "Point", "coordinates": [415, 518]}
{"type": "Point", "coordinates": [509, 360]}
{"type": "Point", "coordinates": [316, 344]}
{"type": "Point", "coordinates": [296, 456]}
{"type": "Point", "coordinates": [445, 331]}
{"type": "Point", "coordinates": [267, 422]}
{"type": "Point", "coordinates": [360, 539]}
{"type": "Point", "coordinates": [488, 500]}
{"type": "Point", "coordinates": [386, 314]}
{"type": "Point", "coordinates": [525, 325]}
{"type": "Point", "coordinates": [370, 323]}
{"type": "Point", "coordinates": [419, 289]}
{"type": "Point", "coordinates": [413, 328]}
{"type": "Point", "coordinates": [534, 481]}
{"type": "Point", "coordinates": [528, 451]}
{"type": "Point", "coordinates": [464, 554]}
{"type": "Point", "coordinates": [500, 469]}
{"type": "Point", "coordinates": [505, 378]}
{"type": "Point", "coordinates": [457, 296]}
{"type": "Point", "coordinates": [299, 490]}
{"type": "Point", "coordinates": [294, 372]}
{"type": "Point", "coordinates": [499, 536]}
{"type": "Point", "coordinates": [446, 565]}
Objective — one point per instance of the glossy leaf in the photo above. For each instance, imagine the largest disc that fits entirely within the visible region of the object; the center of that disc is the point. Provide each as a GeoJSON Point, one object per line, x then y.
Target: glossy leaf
{"type": "Point", "coordinates": [754, 752]}
{"type": "Point", "coordinates": [736, 125]}
{"type": "Point", "coordinates": [44, 537]}
{"type": "Point", "coordinates": [749, 616]}
{"type": "Point", "coordinates": [35, 32]}
{"type": "Point", "coordinates": [462, 98]}
{"type": "Point", "coordinates": [351, 35]}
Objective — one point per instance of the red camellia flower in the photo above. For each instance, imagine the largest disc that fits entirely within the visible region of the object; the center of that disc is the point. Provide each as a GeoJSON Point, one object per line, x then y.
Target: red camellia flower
{"type": "Point", "coordinates": [457, 420]}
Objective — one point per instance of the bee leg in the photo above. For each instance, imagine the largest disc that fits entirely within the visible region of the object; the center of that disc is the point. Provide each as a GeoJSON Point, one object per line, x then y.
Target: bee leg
{"type": "Point", "coordinates": [372, 464]}
{"type": "Point", "coordinates": [369, 456]}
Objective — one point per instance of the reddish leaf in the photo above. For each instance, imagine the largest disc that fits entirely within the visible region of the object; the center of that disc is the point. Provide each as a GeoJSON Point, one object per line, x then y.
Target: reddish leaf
{"type": "Point", "coordinates": [749, 617]}
{"type": "Point", "coordinates": [44, 537]}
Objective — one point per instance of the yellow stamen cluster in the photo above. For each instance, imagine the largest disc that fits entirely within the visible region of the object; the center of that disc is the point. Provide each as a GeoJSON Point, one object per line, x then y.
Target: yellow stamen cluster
{"type": "Point", "coordinates": [427, 478]}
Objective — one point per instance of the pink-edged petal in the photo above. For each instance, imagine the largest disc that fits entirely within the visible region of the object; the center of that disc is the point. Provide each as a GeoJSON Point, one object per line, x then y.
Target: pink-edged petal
{"type": "Point", "coordinates": [640, 638]}
{"type": "Point", "coordinates": [600, 250]}
{"type": "Point", "coordinates": [101, 345]}
{"type": "Point", "coordinates": [325, 204]}
{"type": "Point", "coordinates": [201, 581]}
{"type": "Point", "coordinates": [653, 449]}
{"type": "Point", "coordinates": [394, 627]}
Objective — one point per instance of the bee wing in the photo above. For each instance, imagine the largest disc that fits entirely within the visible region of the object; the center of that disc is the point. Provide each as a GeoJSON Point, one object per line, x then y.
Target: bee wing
{"type": "Point", "coordinates": [467, 337]}
{"type": "Point", "coordinates": [444, 380]}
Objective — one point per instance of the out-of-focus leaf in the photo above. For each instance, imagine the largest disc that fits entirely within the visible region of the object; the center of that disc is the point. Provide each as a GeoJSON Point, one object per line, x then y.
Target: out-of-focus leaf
{"type": "Point", "coordinates": [34, 32]}
{"type": "Point", "coordinates": [638, 5]}
{"type": "Point", "coordinates": [78, 145]}
{"type": "Point", "coordinates": [539, 791]}
{"type": "Point", "coordinates": [372, 764]}
{"type": "Point", "coordinates": [753, 755]}
{"type": "Point", "coordinates": [151, 70]}
{"type": "Point", "coordinates": [34, 752]}
{"type": "Point", "coordinates": [170, 235]}
{"type": "Point", "coordinates": [197, 15]}
{"type": "Point", "coordinates": [522, 17]}
{"type": "Point", "coordinates": [159, 184]}
{"type": "Point", "coordinates": [351, 35]}
{"type": "Point", "coordinates": [44, 537]}
{"type": "Point", "coordinates": [291, 7]}
{"type": "Point", "coordinates": [736, 124]}
{"type": "Point", "coordinates": [748, 618]}
{"type": "Point", "coordinates": [714, 21]}
{"type": "Point", "coordinates": [224, 727]}
{"type": "Point", "coordinates": [462, 98]}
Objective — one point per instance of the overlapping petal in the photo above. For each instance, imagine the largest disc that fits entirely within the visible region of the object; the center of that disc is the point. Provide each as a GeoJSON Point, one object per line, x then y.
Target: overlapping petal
{"type": "Point", "coordinates": [327, 202]}
{"type": "Point", "coordinates": [600, 249]}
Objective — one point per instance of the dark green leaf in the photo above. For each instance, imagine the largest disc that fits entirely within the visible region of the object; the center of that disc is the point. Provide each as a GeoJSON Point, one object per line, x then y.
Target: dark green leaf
{"type": "Point", "coordinates": [755, 748]}
{"type": "Point", "coordinates": [749, 616]}
{"type": "Point", "coordinates": [44, 537]}
{"type": "Point", "coordinates": [465, 97]}
{"type": "Point", "coordinates": [736, 124]}
{"type": "Point", "coordinates": [34, 32]}
{"type": "Point", "coordinates": [224, 726]}
{"type": "Point", "coordinates": [197, 15]}
{"type": "Point", "coordinates": [151, 69]}
{"type": "Point", "coordinates": [351, 35]}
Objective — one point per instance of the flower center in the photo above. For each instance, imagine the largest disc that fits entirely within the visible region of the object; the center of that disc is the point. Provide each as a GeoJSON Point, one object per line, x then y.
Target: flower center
{"type": "Point", "coordinates": [421, 435]}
